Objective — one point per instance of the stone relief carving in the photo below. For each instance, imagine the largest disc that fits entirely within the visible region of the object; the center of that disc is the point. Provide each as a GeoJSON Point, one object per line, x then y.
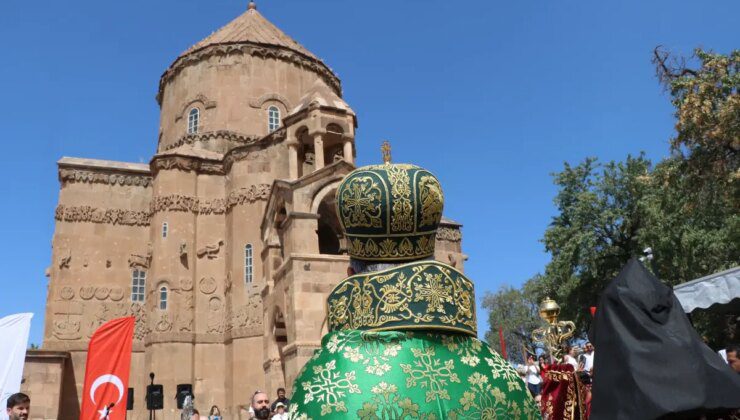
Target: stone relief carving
{"type": "Point", "coordinates": [91, 177]}
{"type": "Point", "coordinates": [65, 259]}
{"type": "Point", "coordinates": [227, 284]}
{"type": "Point", "coordinates": [67, 293]}
{"type": "Point", "coordinates": [187, 164]}
{"type": "Point", "coordinates": [449, 234]}
{"type": "Point", "coordinates": [116, 294]}
{"type": "Point", "coordinates": [210, 251]}
{"type": "Point", "coordinates": [141, 330]}
{"type": "Point", "coordinates": [173, 202]}
{"type": "Point", "coordinates": [164, 324]}
{"type": "Point", "coordinates": [195, 205]}
{"type": "Point", "coordinates": [183, 249]}
{"type": "Point", "coordinates": [141, 260]}
{"type": "Point", "coordinates": [309, 158]}
{"type": "Point", "coordinates": [185, 316]}
{"type": "Point", "coordinates": [67, 326]}
{"type": "Point", "coordinates": [101, 293]}
{"type": "Point", "coordinates": [249, 315]}
{"type": "Point", "coordinates": [97, 215]}
{"type": "Point", "coordinates": [215, 316]}
{"type": "Point", "coordinates": [186, 284]}
{"type": "Point", "coordinates": [207, 285]}
{"type": "Point", "coordinates": [67, 322]}
{"type": "Point", "coordinates": [87, 292]}
{"type": "Point", "coordinates": [247, 48]}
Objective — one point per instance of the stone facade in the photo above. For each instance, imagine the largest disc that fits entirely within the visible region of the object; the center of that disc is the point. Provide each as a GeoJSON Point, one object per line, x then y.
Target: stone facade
{"type": "Point", "coordinates": [233, 220]}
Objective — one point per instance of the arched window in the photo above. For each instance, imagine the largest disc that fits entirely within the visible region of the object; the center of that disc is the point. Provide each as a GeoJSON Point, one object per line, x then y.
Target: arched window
{"type": "Point", "coordinates": [164, 229]}
{"type": "Point", "coordinates": [138, 285]}
{"type": "Point", "coordinates": [163, 298]}
{"type": "Point", "coordinates": [193, 121]}
{"type": "Point", "coordinates": [248, 263]}
{"type": "Point", "coordinates": [273, 118]}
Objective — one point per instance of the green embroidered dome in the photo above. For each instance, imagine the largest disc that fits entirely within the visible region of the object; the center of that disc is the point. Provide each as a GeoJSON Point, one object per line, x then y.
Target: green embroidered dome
{"type": "Point", "coordinates": [390, 212]}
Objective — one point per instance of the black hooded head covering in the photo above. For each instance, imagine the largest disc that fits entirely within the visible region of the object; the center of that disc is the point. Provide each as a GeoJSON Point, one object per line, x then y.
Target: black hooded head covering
{"type": "Point", "coordinates": [651, 362]}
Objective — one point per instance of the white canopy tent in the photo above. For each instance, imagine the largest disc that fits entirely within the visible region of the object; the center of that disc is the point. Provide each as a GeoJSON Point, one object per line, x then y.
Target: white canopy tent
{"type": "Point", "coordinates": [722, 289]}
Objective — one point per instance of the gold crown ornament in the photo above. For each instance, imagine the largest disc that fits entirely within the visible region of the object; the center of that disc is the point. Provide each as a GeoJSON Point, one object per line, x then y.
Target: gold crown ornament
{"type": "Point", "coordinates": [390, 212]}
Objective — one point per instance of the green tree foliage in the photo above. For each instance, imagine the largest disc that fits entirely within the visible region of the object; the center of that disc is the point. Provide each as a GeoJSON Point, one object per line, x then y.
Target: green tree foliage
{"type": "Point", "coordinates": [516, 313]}
{"type": "Point", "coordinates": [686, 207]}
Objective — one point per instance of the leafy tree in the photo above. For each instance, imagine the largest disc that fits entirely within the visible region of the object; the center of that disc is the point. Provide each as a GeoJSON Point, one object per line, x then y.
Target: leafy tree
{"type": "Point", "coordinates": [686, 208]}
{"type": "Point", "coordinates": [515, 311]}
{"type": "Point", "coordinates": [595, 232]}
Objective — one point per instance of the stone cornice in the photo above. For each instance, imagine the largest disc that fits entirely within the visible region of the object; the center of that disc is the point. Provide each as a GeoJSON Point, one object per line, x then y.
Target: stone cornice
{"type": "Point", "coordinates": [187, 164]}
{"type": "Point", "coordinates": [91, 214]}
{"type": "Point", "coordinates": [232, 136]}
{"type": "Point", "coordinates": [97, 176]}
{"type": "Point", "coordinates": [173, 203]}
{"type": "Point", "coordinates": [449, 234]}
{"type": "Point", "coordinates": [201, 206]}
{"type": "Point", "coordinates": [256, 50]}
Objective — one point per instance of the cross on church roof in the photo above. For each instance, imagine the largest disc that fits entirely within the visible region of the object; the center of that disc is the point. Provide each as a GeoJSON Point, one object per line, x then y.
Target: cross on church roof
{"type": "Point", "coordinates": [252, 6]}
{"type": "Point", "coordinates": [386, 150]}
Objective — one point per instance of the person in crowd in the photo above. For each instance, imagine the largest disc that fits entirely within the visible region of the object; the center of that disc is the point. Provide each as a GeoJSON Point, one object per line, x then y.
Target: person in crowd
{"type": "Point", "coordinates": [733, 357]}
{"type": "Point", "coordinates": [569, 356]}
{"type": "Point", "coordinates": [18, 406]}
{"type": "Point", "coordinates": [588, 358]}
{"type": "Point", "coordinates": [281, 398]}
{"type": "Point", "coordinates": [214, 414]}
{"type": "Point", "coordinates": [534, 380]}
{"type": "Point", "coordinates": [260, 406]}
{"type": "Point", "coordinates": [543, 361]}
{"type": "Point", "coordinates": [280, 413]}
{"type": "Point", "coordinates": [195, 415]}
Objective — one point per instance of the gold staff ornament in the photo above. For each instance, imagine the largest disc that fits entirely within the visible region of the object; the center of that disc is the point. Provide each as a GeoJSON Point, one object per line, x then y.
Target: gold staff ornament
{"type": "Point", "coordinates": [555, 332]}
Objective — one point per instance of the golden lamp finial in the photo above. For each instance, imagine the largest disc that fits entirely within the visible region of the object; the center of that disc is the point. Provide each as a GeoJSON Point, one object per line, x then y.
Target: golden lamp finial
{"type": "Point", "coordinates": [555, 332]}
{"type": "Point", "coordinates": [386, 149]}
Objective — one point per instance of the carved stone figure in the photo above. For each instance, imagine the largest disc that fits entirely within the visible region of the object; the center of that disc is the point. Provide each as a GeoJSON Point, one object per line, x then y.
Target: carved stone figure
{"type": "Point", "coordinates": [207, 285]}
{"type": "Point", "coordinates": [87, 292]}
{"type": "Point", "coordinates": [67, 293]}
{"type": "Point", "coordinates": [210, 251]}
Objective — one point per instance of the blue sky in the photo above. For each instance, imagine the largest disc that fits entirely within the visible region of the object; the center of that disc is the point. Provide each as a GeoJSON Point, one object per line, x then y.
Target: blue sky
{"type": "Point", "coordinates": [491, 96]}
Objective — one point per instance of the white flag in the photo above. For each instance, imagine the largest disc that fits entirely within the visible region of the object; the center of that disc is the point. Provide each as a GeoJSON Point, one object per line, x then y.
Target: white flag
{"type": "Point", "coordinates": [14, 331]}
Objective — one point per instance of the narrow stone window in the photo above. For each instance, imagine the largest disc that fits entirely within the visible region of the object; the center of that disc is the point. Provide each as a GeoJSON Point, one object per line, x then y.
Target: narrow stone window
{"type": "Point", "coordinates": [193, 121]}
{"type": "Point", "coordinates": [138, 286]}
{"type": "Point", "coordinates": [165, 228]}
{"type": "Point", "coordinates": [248, 263]}
{"type": "Point", "coordinates": [163, 298]}
{"type": "Point", "coordinates": [273, 118]}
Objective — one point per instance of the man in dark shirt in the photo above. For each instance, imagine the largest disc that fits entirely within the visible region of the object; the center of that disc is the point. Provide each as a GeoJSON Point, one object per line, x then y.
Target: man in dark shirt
{"type": "Point", "coordinates": [281, 398]}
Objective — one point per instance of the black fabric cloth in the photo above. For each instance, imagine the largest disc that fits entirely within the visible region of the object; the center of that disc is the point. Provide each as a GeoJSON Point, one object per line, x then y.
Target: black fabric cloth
{"type": "Point", "coordinates": [651, 363]}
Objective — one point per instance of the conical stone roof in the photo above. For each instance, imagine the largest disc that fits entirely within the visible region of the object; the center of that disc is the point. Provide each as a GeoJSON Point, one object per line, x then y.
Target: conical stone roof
{"type": "Point", "coordinates": [250, 30]}
{"type": "Point", "coordinates": [250, 27]}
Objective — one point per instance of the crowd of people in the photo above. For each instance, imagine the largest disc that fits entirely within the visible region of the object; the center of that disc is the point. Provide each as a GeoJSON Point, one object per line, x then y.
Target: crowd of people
{"type": "Point", "coordinates": [581, 358]}
{"type": "Point", "coordinates": [260, 408]}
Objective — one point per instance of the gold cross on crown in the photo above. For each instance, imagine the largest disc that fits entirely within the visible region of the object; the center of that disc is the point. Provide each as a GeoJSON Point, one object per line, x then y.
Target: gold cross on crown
{"type": "Point", "coordinates": [386, 149]}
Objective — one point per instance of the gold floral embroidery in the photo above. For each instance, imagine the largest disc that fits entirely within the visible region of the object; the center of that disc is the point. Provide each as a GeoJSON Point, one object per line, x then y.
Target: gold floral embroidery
{"type": "Point", "coordinates": [466, 348]}
{"type": "Point", "coordinates": [401, 248]}
{"type": "Point", "coordinates": [387, 404]}
{"type": "Point", "coordinates": [361, 203]}
{"type": "Point", "coordinates": [402, 219]}
{"type": "Point", "coordinates": [431, 373]}
{"type": "Point", "coordinates": [430, 194]}
{"type": "Point", "coordinates": [501, 369]}
{"type": "Point", "coordinates": [416, 294]}
{"type": "Point", "coordinates": [486, 402]}
{"type": "Point", "coordinates": [329, 388]}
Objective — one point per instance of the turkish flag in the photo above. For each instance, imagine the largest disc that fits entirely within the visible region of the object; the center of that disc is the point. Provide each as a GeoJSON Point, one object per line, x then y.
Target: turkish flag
{"type": "Point", "coordinates": [106, 373]}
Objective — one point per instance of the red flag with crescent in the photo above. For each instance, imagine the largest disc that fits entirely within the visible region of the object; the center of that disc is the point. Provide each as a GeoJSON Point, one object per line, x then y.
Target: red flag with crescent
{"type": "Point", "coordinates": [107, 370]}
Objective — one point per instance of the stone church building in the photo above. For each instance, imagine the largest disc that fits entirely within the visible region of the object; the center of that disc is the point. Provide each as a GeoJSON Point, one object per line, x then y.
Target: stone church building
{"type": "Point", "coordinates": [225, 246]}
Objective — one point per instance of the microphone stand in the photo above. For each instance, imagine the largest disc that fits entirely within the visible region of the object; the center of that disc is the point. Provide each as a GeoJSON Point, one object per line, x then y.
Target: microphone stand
{"type": "Point", "coordinates": [151, 412]}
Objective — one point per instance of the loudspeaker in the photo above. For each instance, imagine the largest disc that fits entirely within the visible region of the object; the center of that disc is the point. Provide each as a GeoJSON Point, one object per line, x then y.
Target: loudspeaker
{"type": "Point", "coordinates": [154, 397]}
{"type": "Point", "coordinates": [130, 399]}
{"type": "Point", "coordinates": [183, 390]}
